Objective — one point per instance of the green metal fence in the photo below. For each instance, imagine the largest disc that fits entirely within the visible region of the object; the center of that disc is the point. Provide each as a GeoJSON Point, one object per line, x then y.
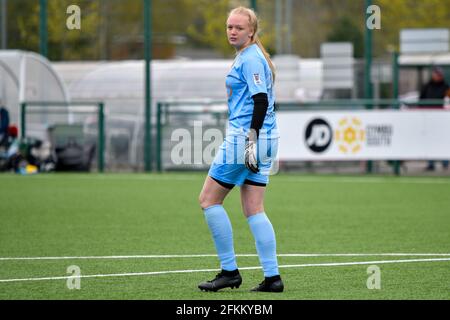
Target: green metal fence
{"type": "Point", "coordinates": [52, 108]}
{"type": "Point", "coordinates": [166, 109]}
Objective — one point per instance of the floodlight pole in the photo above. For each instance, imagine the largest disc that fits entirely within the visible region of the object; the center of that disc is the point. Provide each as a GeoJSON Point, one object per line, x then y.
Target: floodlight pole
{"type": "Point", "coordinates": [148, 97]}
{"type": "Point", "coordinates": [43, 33]}
{"type": "Point", "coordinates": [368, 92]}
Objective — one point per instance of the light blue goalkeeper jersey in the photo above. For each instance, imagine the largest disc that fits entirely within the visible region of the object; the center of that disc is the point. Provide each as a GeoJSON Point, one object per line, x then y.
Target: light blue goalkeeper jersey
{"type": "Point", "coordinates": [250, 75]}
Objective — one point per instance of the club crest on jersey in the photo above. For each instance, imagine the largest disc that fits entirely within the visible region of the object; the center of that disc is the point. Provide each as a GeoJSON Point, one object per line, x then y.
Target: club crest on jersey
{"type": "Point", "coordinates": [256, 78]}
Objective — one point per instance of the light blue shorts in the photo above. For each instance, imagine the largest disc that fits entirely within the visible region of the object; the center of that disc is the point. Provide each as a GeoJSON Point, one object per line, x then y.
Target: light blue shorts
{"type": "Point", "coordinates": [228, 165]}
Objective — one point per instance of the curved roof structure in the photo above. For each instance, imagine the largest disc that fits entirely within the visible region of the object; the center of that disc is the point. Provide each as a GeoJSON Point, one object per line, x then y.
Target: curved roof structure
{"type": "Point", "coordinates": [27, 76]}
{"type": "Point", "coordinates": [120, 85]}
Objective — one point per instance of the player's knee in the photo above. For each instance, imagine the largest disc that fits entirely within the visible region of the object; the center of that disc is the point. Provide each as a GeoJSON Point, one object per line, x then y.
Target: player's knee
{"type": "Point", "coordinates": [203, 201]}
{"type": "Point", "coordinates": [250, 210]}
{"type": "Point", "coordinates": [206, 202]}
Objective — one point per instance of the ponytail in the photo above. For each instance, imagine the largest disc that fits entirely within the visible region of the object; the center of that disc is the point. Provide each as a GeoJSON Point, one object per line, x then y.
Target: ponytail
{"type": "Point", "coordinates": [266, 55]}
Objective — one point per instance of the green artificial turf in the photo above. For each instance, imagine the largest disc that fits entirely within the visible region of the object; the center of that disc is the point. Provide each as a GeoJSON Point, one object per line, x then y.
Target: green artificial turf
{"type": "Point", "coordinates": [82, 215]}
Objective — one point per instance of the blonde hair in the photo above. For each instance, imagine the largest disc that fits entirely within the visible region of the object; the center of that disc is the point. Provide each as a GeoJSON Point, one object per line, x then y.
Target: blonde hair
{"type": "Point", "coordinates": [253, 21]}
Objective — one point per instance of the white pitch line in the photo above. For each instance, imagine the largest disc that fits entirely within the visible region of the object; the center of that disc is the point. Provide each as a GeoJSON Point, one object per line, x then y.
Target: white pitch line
{"type": "Point", "coordinates": [364, 254]}
{"type": "Point", "coordinates": [404, 180]}
{"type": "Point", "coordinates": [332, 264]}
{"type": "Point", "coordinates": [168, 256]}
{"type": "Point", "coordinates": [113, 257]}
{"type": "Point", "coordinates": [283, 178]}
{"type": "Point", "coordinates": [107, 177]}
{"type": "Point", "coordinates": [109, 275]}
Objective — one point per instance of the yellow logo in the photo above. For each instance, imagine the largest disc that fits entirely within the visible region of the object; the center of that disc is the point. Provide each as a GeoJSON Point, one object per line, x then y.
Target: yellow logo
{"type": "Point", "coordinates": [350, 135]}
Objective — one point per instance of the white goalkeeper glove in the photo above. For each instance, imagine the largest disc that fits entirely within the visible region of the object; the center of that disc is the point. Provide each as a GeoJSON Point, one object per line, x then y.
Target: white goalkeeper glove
{"type": "Point", "coordinates": [251, 160]}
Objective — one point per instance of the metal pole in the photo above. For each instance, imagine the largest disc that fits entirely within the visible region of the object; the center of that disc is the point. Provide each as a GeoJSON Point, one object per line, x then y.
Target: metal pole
{"type": "Point", "coordinates": [4, 26]}
{"type": "Point", "coordinates": [288, 39]}
{"type": "Point", "coordinates": [159, 137]}
{"type": "Point", "coordinates": [101, 137]}
{"type": "Point", "coordinates": [278, 27]}
{"type": "Point", "coordinates": [148, 98]}
{"type": "Point", "coordinates": [395, 75]}
{"type": "Point", "coordinates": [368, 92]}
{"type": "Point", "coordinates": [43, 33]}
{"type": "Point", "coordinates": [395, 84]}
{"type": "Point", "coordinates": [254, 5]}
{"type": "Point", "coordinates": [23, 120]}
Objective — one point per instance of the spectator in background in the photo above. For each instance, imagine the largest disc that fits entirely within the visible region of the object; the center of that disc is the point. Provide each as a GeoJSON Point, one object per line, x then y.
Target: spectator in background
{"type": "Point", "coordinates": [435, 89]}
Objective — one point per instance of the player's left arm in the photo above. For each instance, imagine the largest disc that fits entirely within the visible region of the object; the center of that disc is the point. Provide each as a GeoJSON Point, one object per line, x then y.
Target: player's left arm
{"type": "Point", "coordinates": [259, 113]}
{"type": "Point", "coordinates": [256, 81]}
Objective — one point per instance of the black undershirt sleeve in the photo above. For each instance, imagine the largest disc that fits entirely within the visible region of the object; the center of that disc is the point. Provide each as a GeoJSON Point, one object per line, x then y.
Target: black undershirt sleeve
{"type": "Point", "coordinates": [259, 111]}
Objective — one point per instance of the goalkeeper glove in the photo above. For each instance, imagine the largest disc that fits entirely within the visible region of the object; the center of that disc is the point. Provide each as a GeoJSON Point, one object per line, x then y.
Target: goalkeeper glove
{"type": "Point", "coordinates": [251, 161]}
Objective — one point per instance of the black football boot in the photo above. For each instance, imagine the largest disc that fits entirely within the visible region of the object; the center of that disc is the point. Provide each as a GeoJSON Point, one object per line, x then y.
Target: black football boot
{"type": "Point", "coordinates": [270, 284]}
{"type": "Point", "coordinates": [225, 279]}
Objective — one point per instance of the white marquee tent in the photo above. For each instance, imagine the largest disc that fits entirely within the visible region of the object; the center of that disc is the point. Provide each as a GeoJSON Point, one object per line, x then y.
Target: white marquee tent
{"type": "Point", "coordinates": [120, 85]}
{"type": "Point", "coordinates": [27, 76]}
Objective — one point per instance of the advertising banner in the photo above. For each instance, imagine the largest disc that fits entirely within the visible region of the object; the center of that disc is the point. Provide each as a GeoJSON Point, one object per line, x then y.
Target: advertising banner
{"type": "Point", "coordinates": [364, 135]}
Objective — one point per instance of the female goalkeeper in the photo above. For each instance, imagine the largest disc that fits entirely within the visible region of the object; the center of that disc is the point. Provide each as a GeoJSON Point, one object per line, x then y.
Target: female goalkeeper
{"type": "Point", "coordinates": [245, 157]}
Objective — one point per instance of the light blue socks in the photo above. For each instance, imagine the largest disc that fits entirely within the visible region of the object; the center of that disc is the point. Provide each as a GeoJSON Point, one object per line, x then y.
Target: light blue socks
{"type": "Point", "coordinates": [220, 226]}
{"type": "Point", "coordinates": [265, 243]}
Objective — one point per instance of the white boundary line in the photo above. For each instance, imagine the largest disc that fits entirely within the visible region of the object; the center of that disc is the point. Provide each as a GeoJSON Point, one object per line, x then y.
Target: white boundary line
{"type": "Point", "coordinates": [406, 180]}
{"type": "Point", "coordinates": [282, 178]}
{"type": "Point", "coordinates": [332, 264]}
{"type": "Point", "coordinates": [167, 256]}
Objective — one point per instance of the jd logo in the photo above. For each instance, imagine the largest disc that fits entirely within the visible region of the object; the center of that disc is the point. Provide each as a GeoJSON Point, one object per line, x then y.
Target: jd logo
{"type": "Point", "coordinates": [318, 135]}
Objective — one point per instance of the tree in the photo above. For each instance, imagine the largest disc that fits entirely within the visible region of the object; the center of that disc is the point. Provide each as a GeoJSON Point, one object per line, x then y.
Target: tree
{"type": "Point", "coordinates": [398, 14]}
{"type": "Point", "coordinates": [318, 20]}
{"type": "Point", "coordinates": [346, 30]}
{"type": "Point", "coordinates": [65, 44]}
{"type": "Point", "coordinates": [23, 29]}
{"type": "Point", "coordinates": [208, 28]}
{"type": "Point", "coordinates": [23, 25]}
{"type": "Point", "coordinates": [113, 29]}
